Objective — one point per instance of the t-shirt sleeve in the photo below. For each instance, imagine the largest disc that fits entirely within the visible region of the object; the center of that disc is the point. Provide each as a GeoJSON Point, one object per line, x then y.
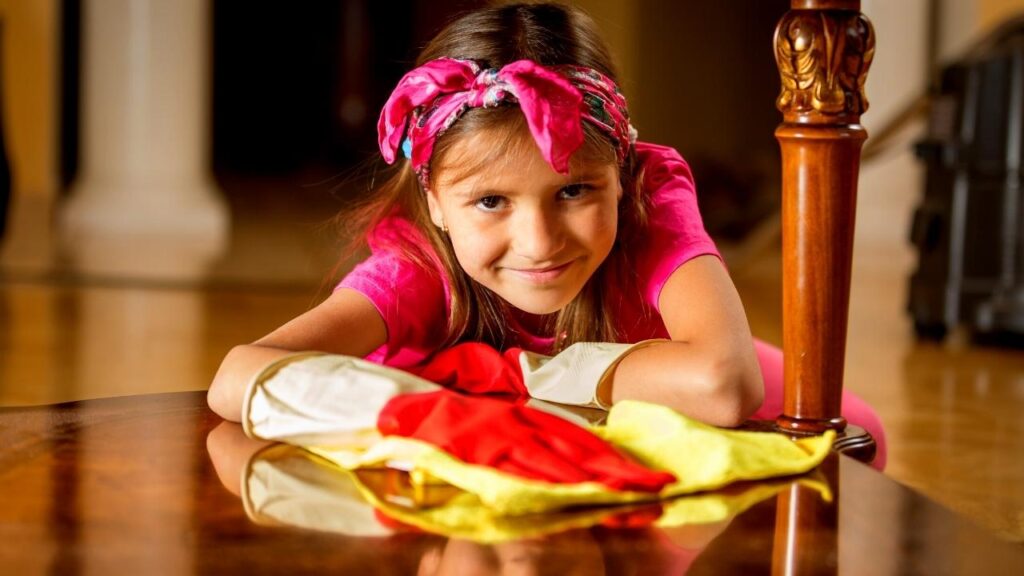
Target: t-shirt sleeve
{"type": "Point", "coordinates": [411, 299]}
{"type": "Point", "coordinates": [675, 231]}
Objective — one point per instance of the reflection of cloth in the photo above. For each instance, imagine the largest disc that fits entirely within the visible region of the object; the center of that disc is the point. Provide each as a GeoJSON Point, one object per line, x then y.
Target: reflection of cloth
{"type": "Point", "coordinates": [701, 457]}
{"type": "Point", "coordinates": [414, 301]}
{"type": "Point", "coordinates": [286, 485]}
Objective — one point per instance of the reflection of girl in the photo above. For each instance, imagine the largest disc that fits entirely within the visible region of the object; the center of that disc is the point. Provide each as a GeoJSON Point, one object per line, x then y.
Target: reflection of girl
{"type": "Point", "coordinates": [593, 551]}
{"type": "Point", "coordinates": [525, 214]}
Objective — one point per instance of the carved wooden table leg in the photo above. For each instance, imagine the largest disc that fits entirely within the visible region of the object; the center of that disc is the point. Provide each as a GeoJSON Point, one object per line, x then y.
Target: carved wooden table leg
{"type": "Point", "coordinates": [823, 49]}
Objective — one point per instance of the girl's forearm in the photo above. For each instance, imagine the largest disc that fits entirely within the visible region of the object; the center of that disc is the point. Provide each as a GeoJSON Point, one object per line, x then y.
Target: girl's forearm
{"type": "Point", "coordinates": [236, 370]}
{"type": "Point", "coordinates": [327, 328]}
{"type": "Point", "coordinates": [720, 389]}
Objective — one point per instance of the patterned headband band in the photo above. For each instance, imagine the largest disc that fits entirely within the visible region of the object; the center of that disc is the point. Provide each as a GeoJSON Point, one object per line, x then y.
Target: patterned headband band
{"type": "Point", "coordinates": [430, 98]}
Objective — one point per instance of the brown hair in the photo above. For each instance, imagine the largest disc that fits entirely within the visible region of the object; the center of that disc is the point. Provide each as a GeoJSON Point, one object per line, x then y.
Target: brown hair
{"type": "Point", "coordinates": [549, 34]}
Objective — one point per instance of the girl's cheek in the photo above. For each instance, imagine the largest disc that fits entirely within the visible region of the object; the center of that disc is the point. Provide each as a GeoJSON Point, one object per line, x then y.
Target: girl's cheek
{"type": "Point", "coordinates": [475, 251]}
{"type": "Point", "coordinates": [600, 226]}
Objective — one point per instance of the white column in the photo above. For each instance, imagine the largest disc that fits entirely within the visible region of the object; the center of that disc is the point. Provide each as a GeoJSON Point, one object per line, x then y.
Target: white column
{"type": "Point", "coordinates": [145, 202]}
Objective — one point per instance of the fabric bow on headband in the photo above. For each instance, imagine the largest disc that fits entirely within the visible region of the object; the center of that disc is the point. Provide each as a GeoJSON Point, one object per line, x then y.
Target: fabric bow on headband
{"type": "Point", "coordinates": [430, 98]}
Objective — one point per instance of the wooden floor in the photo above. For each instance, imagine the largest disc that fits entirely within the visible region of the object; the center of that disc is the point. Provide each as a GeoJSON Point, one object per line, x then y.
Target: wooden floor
{"type": "Point", "coordinates": [954, 413]}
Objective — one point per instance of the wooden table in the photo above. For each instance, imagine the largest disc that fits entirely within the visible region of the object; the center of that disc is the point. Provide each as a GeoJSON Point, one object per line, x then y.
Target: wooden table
{"type": "Point", "coordinates": [148, 485]}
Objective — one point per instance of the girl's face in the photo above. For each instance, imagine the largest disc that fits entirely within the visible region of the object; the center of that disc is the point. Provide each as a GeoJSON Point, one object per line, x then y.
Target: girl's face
{"type": "Point", "coordinates": [529, 234]}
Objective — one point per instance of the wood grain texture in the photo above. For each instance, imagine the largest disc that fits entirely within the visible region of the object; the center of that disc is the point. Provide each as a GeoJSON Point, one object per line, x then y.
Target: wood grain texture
{"type": "Point", "coordinates": [819, 200]}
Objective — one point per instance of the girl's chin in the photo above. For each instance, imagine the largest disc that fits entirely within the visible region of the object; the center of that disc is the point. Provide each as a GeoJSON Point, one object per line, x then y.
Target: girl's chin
{"type": "Point", "coordinates": [532, 298]}
{"type": "Point", "coordinates": [538, 310]}
{"type": "Point", "coordinates": [539, 306]}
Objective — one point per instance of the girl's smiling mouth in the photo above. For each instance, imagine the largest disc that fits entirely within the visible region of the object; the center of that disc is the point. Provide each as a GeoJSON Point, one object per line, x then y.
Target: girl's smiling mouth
{"type": "Point", "coordinates": [541, 275]}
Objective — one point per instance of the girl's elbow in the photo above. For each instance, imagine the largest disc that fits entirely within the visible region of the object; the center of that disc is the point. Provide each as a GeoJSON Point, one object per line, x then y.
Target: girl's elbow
{"type": "Point", "coordinates": [751, 385]}
{"type": "Point", "coordinates": [217, 399]}
{"type": "Point", "coordinates": [738, 392]}
{"type": "Point", "coordinates": [221, 397]}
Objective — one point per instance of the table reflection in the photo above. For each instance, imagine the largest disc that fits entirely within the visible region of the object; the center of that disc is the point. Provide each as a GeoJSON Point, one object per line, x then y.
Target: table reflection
{"type": "Point", "coordinates": [806, 527]}
{"type": "Point", "coordinates": [281, 485]}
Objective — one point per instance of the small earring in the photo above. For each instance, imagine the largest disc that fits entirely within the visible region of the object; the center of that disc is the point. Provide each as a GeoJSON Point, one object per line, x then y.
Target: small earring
{"type": "Point", "coordinates": [444, 227]}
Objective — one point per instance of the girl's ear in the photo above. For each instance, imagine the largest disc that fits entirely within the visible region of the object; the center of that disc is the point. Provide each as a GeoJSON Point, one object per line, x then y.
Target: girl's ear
{"type": "Point", "coordinates": [434, 206]}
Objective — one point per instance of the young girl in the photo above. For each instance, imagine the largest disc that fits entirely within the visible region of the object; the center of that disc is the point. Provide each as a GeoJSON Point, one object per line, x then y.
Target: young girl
{"type": "Point", "coordinates": [525, 213]}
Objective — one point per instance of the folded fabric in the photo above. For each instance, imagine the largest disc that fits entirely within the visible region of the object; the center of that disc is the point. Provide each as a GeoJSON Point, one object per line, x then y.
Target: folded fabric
{"type": "Point", "coordinates": [701, 457]}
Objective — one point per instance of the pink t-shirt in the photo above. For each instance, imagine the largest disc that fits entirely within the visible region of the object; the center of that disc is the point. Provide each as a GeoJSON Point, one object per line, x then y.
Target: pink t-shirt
{"type": "Point", "coordinates": [414, 300]}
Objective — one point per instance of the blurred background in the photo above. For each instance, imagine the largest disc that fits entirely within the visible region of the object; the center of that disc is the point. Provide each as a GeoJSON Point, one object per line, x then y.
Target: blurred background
{"type": "Point", "coordinates": [170, 170]}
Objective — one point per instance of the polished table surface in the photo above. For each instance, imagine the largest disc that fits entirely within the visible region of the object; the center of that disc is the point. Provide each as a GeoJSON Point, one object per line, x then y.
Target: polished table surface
{"type": "Point", "coordinates": [155, 485]}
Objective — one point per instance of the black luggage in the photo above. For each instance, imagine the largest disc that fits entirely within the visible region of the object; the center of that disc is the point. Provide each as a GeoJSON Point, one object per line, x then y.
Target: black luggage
{"type": "Point", "coordinates": [968, 229]}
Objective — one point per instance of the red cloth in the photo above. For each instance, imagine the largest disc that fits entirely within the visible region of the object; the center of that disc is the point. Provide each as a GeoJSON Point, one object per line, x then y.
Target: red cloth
{"type": "Point", "coordinates": [515, 439]}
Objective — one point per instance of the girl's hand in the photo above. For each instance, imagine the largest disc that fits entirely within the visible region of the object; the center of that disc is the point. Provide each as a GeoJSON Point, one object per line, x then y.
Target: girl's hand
{"type": "Point", "coordinates": [476, 368]}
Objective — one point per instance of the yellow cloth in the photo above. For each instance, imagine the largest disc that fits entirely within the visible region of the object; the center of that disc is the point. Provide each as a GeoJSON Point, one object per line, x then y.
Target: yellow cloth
{"type": "Point", "coordinates": [701, 457]}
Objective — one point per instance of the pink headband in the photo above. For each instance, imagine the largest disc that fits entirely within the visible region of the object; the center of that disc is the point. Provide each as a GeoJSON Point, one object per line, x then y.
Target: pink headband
{"type": "Point", "coordinates": [430, 98]}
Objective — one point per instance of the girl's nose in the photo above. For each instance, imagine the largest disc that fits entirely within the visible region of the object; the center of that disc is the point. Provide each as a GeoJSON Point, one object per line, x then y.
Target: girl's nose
{"type": "Point", "coordinates": [538, 237]}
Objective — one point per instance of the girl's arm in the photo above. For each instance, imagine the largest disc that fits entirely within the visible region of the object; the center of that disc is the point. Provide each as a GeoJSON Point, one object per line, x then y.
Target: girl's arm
{"type": "Point", "coordinates": [346, 323]}
{"type": "Point", "coordinates": [709, 370]}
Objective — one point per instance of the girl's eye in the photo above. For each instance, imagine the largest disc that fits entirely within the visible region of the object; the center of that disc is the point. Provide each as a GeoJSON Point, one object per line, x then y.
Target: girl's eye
{"type": "Point", "coordinates": [574, 191]}
{"type": "Point", "coordinates": [490, 203]}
